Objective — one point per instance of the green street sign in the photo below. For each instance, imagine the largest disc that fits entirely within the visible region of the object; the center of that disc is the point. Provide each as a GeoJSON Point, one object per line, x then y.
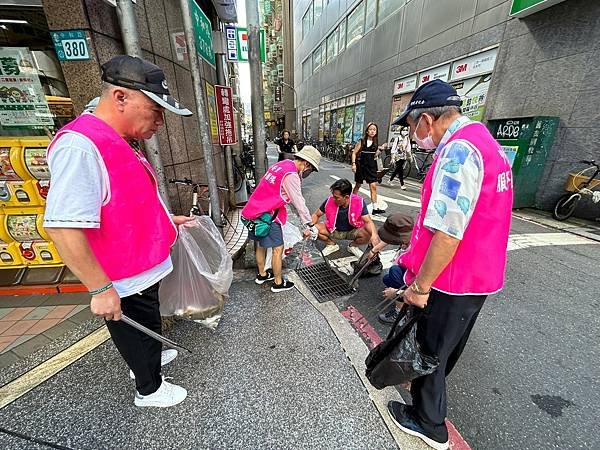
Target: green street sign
{"type": "Point", "coordinates": [202, 34]}
{"type": "Point", "coordinates": [523, 8]}
{"type": "Point", "coordinates": [70, 45]}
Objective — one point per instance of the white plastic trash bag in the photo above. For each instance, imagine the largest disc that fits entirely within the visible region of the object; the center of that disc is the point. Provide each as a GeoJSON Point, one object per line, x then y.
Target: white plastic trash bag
{"type": "Point", "coordinates": [291, 236]}
{"type": "Point", "coordinates": [202, 274]}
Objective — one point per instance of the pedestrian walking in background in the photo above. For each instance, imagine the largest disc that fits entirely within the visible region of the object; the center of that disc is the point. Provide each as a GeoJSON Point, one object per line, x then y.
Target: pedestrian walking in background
{"type": "Point", "coordinates": [285, 144]}
{"type": "Point", "coordinates": [457, 252]}
{"type": "Point", "coordinates": [364, 163]}
{"type": "Point", "coordinates": [280, 186]}
{"type": "Point", "coordinates": [107, 220]}
{"type": "Point", "coordinates": [400, 153]}
{"type": "Point", "coordinates": [346, 218]}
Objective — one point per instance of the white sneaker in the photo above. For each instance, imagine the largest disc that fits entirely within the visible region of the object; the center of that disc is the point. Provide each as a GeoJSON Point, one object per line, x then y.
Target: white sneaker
{"type": "Point", "coordinates": [403, 187]}
{"type": "Point", "coordinates": [165, 358]}
{"type": "Point", "coordinates": [329, 249]}
{"type": "Point", "coordinates": [167, 395]}
{"type": "Point", "coordinates": [356, 251]}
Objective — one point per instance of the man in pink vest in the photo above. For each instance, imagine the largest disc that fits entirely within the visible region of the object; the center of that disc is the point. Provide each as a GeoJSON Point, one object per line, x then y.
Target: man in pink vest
{"type": "Point", "coordinates": [346, 218]}
{"type": "Point", "coordinates": [280, 186]}
{"type": "Point", "coordinates": [457, 253]}
{"type": "Point", "coordinates": [108, 221]}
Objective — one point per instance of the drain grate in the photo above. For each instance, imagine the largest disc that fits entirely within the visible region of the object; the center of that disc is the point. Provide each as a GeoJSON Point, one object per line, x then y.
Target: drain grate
{"type": "Point", "coordinates": [324, 282]}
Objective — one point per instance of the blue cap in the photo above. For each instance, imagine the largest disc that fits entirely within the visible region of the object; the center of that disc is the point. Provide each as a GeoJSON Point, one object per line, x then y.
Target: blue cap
{"type": "Point", "coordinates": [429, 95]}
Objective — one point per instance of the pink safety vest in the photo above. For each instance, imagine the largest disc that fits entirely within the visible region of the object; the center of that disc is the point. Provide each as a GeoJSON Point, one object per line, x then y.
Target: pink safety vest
{"type": "Point", "coordinates": [478, 267]}
{"type": "Point", "coordinates": [136, 231]}
{"type": "Point", "coordinates": [354, 212]}
{"type": "Point", "coordinates": [268, 196]}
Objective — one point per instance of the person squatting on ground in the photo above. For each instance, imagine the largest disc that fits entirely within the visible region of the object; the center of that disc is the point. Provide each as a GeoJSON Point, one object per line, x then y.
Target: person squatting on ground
{"type": "Point", "coordinates": [364, 163]}
{"type": "Point", "coordinates": [457, 253]}
{"type": "Point", "coordinates": [400, 153]}
{"type": "Point", "coordinates": [396, 230]}
{"type": "Point", "coordinates": [346, 218]}
{"type": "Point", "coordinates": [284, 145]}
{"type": "Point", "coordinates": [107, 220]}
{"type": "Point", "coordinates": [280, 186]}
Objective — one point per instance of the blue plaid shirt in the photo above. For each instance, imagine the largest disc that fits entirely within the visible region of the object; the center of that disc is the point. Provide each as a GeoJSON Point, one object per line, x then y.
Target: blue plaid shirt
{"type": "Point", "coordinates": [456, 184]}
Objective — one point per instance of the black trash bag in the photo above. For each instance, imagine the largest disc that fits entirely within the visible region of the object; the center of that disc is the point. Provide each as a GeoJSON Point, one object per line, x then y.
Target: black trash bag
{"type": "Point", "coordinates": [399, 358]}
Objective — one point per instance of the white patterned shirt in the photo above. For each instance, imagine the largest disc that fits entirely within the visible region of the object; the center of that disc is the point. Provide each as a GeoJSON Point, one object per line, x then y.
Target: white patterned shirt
{"type": "Point", "coordinates": [456, 184]}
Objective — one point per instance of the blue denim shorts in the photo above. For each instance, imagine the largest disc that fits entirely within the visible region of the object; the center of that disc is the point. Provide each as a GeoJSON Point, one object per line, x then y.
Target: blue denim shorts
{"type": "Point", "coordinates": [272, 240]}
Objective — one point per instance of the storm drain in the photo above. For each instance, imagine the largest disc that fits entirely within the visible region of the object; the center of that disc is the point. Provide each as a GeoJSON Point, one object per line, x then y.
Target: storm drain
{"type": "Point", "coordinates": [324, 283]}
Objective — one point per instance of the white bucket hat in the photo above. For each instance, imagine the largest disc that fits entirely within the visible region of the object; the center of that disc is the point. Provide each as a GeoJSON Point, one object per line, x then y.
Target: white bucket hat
{"type": "Point", "coordinates": [311, 155]}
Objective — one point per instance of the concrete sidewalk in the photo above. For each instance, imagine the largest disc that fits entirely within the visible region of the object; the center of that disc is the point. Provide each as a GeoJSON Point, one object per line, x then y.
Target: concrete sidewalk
{"type": "Point", "coordinates": [273, 375]}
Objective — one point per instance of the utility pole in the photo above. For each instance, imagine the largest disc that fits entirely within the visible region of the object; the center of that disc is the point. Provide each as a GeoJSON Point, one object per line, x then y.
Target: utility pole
{"type": "Point", "coordinates": [131, 42]}
{"type": "Point", "coordinates": [288, 65]}
{"type": "Point", "coordinates": [205, 139]}
{"type": "Point", "coordinates": [256, 86]}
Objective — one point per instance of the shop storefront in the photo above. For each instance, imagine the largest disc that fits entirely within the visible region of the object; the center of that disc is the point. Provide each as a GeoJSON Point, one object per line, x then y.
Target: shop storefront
{"type": "Point", "coordinates": [34, 103]}
{"type": "Point", "coordinates": [470, 76]}
{"type": "Point", "coordinates": [342, 120]}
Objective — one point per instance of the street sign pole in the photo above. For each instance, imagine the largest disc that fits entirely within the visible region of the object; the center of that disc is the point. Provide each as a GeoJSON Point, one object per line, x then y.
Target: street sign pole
{"type": "Point", "coordinates": [256, 82]}
{"type": "Point", "coordinates": [131, 42]}
{"type": "Point", "coordinates": [205, 139]}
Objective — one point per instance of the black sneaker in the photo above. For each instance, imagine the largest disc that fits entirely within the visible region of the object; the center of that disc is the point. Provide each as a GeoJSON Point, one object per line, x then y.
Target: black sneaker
{"type": "Point", "coordinates": [268, 277]}
{"type": "Point", "coordinates": [285, 286]}
{"type": "Point", "coordinates": [390, 316]}
{"type": "Point", "coordinates": [401, 416]}
{"type": "Point", "coordinates": [378, 211]}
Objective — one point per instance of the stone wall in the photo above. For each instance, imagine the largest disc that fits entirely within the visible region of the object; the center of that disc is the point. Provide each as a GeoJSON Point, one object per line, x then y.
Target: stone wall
{"type": "Point", "coordinates": [157, 21]}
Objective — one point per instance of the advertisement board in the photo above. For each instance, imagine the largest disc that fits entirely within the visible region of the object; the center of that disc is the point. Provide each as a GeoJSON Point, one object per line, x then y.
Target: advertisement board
{"type": "Point", "coordinates": [359, 122]}
{"type": "Point", "coordinates": [224, 97]}
{"type": "Point", "coordinates": [473, 93]}
{"type": "Point", "coordinates": [211, 104]}
{"type": "Point", "coordinates": [399, 103]}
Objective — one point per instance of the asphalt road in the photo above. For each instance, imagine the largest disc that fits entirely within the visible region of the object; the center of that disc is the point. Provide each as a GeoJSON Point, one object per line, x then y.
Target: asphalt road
{"type": "Point", "coordinates": [529, 377]}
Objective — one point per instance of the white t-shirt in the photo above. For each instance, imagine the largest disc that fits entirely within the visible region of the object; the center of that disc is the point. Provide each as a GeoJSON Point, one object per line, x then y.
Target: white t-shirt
{"type": "Point", "coordinates": [78, 189]}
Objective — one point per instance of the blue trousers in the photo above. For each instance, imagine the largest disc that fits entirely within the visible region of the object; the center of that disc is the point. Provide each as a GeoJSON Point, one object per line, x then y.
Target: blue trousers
{"type": "Point", "coordinates": [395, 277]}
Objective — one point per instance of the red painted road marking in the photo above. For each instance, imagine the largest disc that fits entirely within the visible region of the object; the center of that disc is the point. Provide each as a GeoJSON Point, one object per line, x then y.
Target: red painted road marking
{"type": "Point", "coordinates": [372, 339]}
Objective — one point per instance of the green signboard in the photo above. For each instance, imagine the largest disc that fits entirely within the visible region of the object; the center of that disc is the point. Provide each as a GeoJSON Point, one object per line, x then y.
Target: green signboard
{"type": "Point", "coordinates": [237, 44]}
{"type": "Point", "coordinates": [202, 34]}
{"type": "Point", "coordinates": [523, 8]}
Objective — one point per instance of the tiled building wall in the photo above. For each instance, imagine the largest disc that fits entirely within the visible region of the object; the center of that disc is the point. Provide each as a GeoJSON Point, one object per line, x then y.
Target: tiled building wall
{"type": "Point", "coordinates": [157, 21]}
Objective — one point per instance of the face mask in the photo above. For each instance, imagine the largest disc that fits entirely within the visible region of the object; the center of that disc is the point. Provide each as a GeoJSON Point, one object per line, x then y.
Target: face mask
{"type": "Point", "coordinates": [404, 133]}
{"type": "Point", "coordinates": [306, 172]}
{"type": "Point", "coordinates": [425, 144]}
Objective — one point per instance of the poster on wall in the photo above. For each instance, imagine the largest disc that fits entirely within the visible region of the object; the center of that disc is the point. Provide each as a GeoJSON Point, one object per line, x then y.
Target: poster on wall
{"type": "Point", "coordinates": [348, 122]}
{"type": "Point", "coordinates": [327, 125]}
{"type": "Point", "coordinates": [359, 122]}
{"type": "Point", "coordinates": [212, 112]}
{"type": "Point", "coordinates": [339, 131]}
{"type": "Point", "coordinates": [321, 125]}
{"type": "Point", "coordinates": [22, 100]}
{"type": "Point", "coordinates": [333, 125]}
{"type": "Point", "coordinates": [473, 93]}
{"type": "Point", "coordinates": [399, 103]}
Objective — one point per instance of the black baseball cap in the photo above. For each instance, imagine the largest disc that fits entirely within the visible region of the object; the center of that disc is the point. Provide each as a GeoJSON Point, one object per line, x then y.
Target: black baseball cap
{"type": "Point", "coordinates": [429, 95]}
{"type": "Point", "coordinates": [135, 73]}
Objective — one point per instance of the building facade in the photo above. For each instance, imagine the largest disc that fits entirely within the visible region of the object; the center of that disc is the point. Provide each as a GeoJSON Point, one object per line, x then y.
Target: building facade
{"type": "Point", "coordinates": [506, 63]}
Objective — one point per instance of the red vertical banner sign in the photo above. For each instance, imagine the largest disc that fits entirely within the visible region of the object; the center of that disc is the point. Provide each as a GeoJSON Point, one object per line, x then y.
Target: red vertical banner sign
{"type": "Point", "coordinates": [225, 115]}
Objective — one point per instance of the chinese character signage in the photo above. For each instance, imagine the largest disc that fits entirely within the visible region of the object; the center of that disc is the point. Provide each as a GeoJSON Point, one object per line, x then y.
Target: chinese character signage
{"type": "Point", "coordinates": [70, 45]}
{"type": "Point", "coordinates": [22, 100]}
{"type": "Point", "coordinates": [225, 115]}
{"type": "Point", "coordinates": [202, 34]}
{"type": "Point", "coordinates": [236, 39]}
{"type": "Point", "coordinates": [212, 112]}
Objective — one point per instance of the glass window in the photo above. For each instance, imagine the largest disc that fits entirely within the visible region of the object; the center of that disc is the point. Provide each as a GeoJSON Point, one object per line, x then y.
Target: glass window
{"type": "Point", "coordinates": [323, 53]}
{"type": "Point", "coordinates": [386, 8]}
{"type": "Point", "coordinates": [317, 59]}
{"type": "Point", "coordinates": [318, 8]}
{"type": "Point", "coordinates": [341, 32]}
{"type": "Point", "coordinates": [332, 45]}
{"type": "Point", "coordinates": [307, 20]}
{"type": "Point", "coordinates": [371, 15]}
{"type": "Point", "coordinates": [307, 68]}
{"type": "Point", "coordinates": [356, 24]}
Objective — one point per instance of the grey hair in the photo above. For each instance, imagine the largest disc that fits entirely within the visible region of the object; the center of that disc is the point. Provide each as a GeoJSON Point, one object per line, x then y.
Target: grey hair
{"type": "Point", "coordinates": [435, 111]}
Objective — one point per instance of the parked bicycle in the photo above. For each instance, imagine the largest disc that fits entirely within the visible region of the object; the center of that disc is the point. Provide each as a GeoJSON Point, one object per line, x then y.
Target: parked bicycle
{"type": "Point", "coordinates": [578, 185]}
{"type": "Point", "coordinates": [200, 194]}
{"type": "Point", "coordinates": [421, 164]}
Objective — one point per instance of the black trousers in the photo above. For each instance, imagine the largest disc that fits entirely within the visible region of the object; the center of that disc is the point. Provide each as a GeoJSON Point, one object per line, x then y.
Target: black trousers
{"type": "Point", "coordinates": [398, 170]}
{"type": "Point", "coordinates": [140, 351]}
{"type": "Point", "coordinates": [443, 331]}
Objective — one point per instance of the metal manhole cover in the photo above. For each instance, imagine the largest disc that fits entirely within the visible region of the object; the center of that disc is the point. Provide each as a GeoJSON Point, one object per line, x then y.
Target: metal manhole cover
{"type": "Point", "coordinates": [324, 282]}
